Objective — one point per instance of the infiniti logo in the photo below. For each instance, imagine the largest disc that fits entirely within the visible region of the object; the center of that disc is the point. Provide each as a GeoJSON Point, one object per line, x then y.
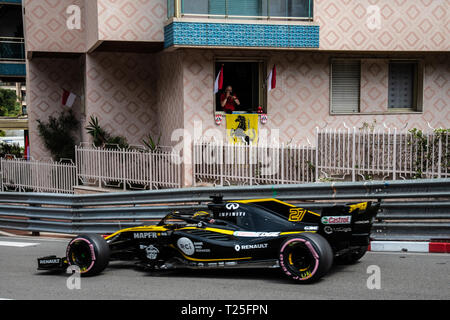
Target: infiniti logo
{"type": "Point", "coordinates": [232, 206]}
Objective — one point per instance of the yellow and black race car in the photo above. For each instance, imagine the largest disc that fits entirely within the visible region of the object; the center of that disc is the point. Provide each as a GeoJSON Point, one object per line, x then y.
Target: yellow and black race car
{"type": "Point", "coordinates": [264, 233]}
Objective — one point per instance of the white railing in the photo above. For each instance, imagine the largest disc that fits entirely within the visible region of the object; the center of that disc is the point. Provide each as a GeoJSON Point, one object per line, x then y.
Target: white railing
{"type": "Point", "coordinates": [38, 176]}
{"type": "Point", "coordinates": [381, 154]}
{"type": "Point", "coordinates": [349, 154]}
{"type": "Point", "coordinates": [226, 164]}
{"type": "Point", "coordinates": [341, 154]}
{"type": "Point", "coordinates": [128, 168]}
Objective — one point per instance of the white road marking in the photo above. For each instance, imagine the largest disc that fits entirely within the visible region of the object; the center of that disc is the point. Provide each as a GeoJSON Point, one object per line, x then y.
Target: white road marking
{"type": "Point", "coordinates": [17, 244]}
{"type": "Point", "coordinates": [399, 246]}
{"type": "Point", "coordinates": [34, 238]}
{"type": "Point", "coordinates": [409, 253]}
{"type": "Point", "coordinates": [4, 233]}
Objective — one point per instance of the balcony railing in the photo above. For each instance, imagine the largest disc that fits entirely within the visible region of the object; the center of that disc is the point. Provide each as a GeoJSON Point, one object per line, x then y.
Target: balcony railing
{"type": "Point", "coordinates": [12, 49]}
{"type": "Point", "coordinates": [242, 9]}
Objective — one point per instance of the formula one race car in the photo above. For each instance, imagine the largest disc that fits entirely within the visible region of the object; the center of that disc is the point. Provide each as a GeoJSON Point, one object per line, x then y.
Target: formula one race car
{"type": "Point", "coordinates": [264, 233]}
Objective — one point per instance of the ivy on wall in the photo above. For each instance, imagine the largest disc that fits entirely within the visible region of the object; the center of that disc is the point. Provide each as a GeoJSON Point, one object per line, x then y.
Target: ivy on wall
{"type": "Point", "coordinates": [427, 148]}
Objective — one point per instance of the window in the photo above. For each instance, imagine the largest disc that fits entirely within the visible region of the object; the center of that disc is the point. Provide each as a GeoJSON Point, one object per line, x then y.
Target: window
{"type": "Point", "coordinates": [199, 6]}
{"type": "Point", "coordinates": [223, 7]}
{"type": "Point", "coordinates": [247, 8]}
{"type": "Point", "coordinates": [247, 81]}
{"type": "Point", "coordinates": [403, 85]}
{"type": "Point", "coordinates": [345, 86]}
{"type": "Point", "coordinates": [237, 7]}
{"type": "Point", "coordinates": [12, 45]}
{"type": "Point", "coordinates": [290, 8]}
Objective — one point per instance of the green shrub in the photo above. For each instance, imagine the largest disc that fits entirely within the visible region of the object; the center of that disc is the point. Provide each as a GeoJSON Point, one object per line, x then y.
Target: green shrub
{"type": "Point", "coordinates": [57, 135]}
{"type": "Point", "coordinates": [102, 138]}
{"type": "Point", "coordinates": [11, 149]}
{"type": "Point", "coordinates": [9, 107]}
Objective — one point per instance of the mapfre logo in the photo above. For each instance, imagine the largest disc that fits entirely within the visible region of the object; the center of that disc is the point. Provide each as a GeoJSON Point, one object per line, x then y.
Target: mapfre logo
{"type": "Point", "coordinates": [336, 219]}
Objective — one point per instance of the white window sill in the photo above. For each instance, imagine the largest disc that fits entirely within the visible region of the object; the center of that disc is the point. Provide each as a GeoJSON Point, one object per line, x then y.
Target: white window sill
{"type": "Point", "coordinates": [390, 112]}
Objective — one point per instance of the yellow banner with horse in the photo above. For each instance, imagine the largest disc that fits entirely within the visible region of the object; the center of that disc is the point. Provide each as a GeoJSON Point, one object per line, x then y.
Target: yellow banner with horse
{"type": "Point", "coordinates": [242, 128]}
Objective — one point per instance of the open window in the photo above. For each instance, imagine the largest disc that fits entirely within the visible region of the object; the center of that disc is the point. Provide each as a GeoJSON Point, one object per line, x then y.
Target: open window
{"type": "Point", "coordinates": [246, 78]}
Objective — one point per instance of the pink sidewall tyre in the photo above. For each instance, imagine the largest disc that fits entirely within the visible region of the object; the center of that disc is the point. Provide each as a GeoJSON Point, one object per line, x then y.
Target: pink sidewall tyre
{"type": "Point", "coordinates": [89, 252]}
{"type": "Point", "coordinates": [305, 258]}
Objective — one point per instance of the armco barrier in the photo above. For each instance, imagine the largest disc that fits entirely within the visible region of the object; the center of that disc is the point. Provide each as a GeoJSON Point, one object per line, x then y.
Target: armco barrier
{"type": "Point", "coordinates": [411, 209]}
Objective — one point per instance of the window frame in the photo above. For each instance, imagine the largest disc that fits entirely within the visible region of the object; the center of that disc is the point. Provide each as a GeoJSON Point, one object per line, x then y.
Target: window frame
{"type": "Point", "coordinates": [332, 112]}
{"type": "Point", "coordinates": [419, 88]}
{"type": "Point", "coordinates": [418, 80]}
{"type": "Point", "coordinates": [175, 9]}
{"type": "Point", "coordinates": [262, 77]}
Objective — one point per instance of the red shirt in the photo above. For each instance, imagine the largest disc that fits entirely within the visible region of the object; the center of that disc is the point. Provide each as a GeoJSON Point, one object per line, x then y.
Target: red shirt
{"type": "Point", "coordinates": [230, 105]}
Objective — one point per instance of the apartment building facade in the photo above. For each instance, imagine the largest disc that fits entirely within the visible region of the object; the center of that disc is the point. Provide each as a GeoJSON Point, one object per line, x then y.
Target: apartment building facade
{"type": "Point", "coordinates": [149, 67]}
{"type": "Point", "coordinates": [12, 51]}
{"type": "Point", "coordinates": [12, 59]}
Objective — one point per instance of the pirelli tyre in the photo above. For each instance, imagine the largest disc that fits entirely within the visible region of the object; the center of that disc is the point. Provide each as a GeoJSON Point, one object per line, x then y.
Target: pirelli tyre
{"type": "Point", "coordinates": [306, 258]}
{"type": "Point", "coordinates": [88, 252]}
{"type": "Point", "coordinates": [352, 256]}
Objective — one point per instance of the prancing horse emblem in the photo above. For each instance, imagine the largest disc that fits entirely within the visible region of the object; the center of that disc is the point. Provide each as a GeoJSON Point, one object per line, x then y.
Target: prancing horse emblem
{"type": "Point", "coordinates": [239, 132]}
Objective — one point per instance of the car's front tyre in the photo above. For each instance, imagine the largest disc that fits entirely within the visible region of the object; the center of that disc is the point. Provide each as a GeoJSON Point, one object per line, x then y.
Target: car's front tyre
{"type": "Point", "coordinates": [305, 258]}
{"type": "Point", "coordinates": [88, 252]}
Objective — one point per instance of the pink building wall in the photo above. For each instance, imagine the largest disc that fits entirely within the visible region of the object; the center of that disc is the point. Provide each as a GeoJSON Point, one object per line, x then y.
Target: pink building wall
{"type": "Point", "coordinates": [170, 95]}
{"type": "Point", "coordinates": [46, 79]}
{"type": "Point", "coordinates": [121, 92]}
{"type": "Point", "coordinates": [301, 101]}
{"type": "Point", "coordinates": [46, 26]}
{"type": "Point", "coordinates": [138, 94]}
{"type": "Point", "coordinates": [115, 87]}
{"type": "Point", "coordinates": [131, 20]}
{"type": "Point", "coordinates": [405, 25]}
{"type": "Point", "coordinates": [92, 34]}
{"type": "Point", "coordinates": [101, 20]}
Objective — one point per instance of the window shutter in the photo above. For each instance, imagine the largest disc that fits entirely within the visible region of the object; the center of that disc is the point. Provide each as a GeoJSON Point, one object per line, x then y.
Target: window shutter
{"type": "Point", "coordinates": [345, 86]}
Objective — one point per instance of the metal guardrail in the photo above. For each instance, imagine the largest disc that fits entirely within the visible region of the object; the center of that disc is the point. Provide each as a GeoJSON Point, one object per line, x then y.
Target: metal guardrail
{"type": "Point", "coordinates": [411, 210]}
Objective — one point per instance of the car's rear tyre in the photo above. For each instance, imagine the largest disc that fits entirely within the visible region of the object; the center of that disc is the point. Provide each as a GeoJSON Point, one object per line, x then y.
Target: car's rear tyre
{"type": "Point", "coordinates": [352, 256]}
{"type": "Point", "coordinates": [306, 258]}
{"type": "Point", "coordinates": [88, 252]}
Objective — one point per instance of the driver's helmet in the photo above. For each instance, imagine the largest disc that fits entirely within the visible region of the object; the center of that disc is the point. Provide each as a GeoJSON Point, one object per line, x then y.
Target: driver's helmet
{"type": "Point", "coordinates": [201, 214]}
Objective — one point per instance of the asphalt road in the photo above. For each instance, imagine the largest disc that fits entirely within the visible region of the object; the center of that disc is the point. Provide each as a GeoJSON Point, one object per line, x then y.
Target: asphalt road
{"type": "Point", "coordinates": [403, 276]}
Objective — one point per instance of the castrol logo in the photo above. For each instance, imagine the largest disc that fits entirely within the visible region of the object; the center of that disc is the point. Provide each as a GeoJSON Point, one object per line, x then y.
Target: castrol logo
{"type": "Point", "coordinates": [336, 219]}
